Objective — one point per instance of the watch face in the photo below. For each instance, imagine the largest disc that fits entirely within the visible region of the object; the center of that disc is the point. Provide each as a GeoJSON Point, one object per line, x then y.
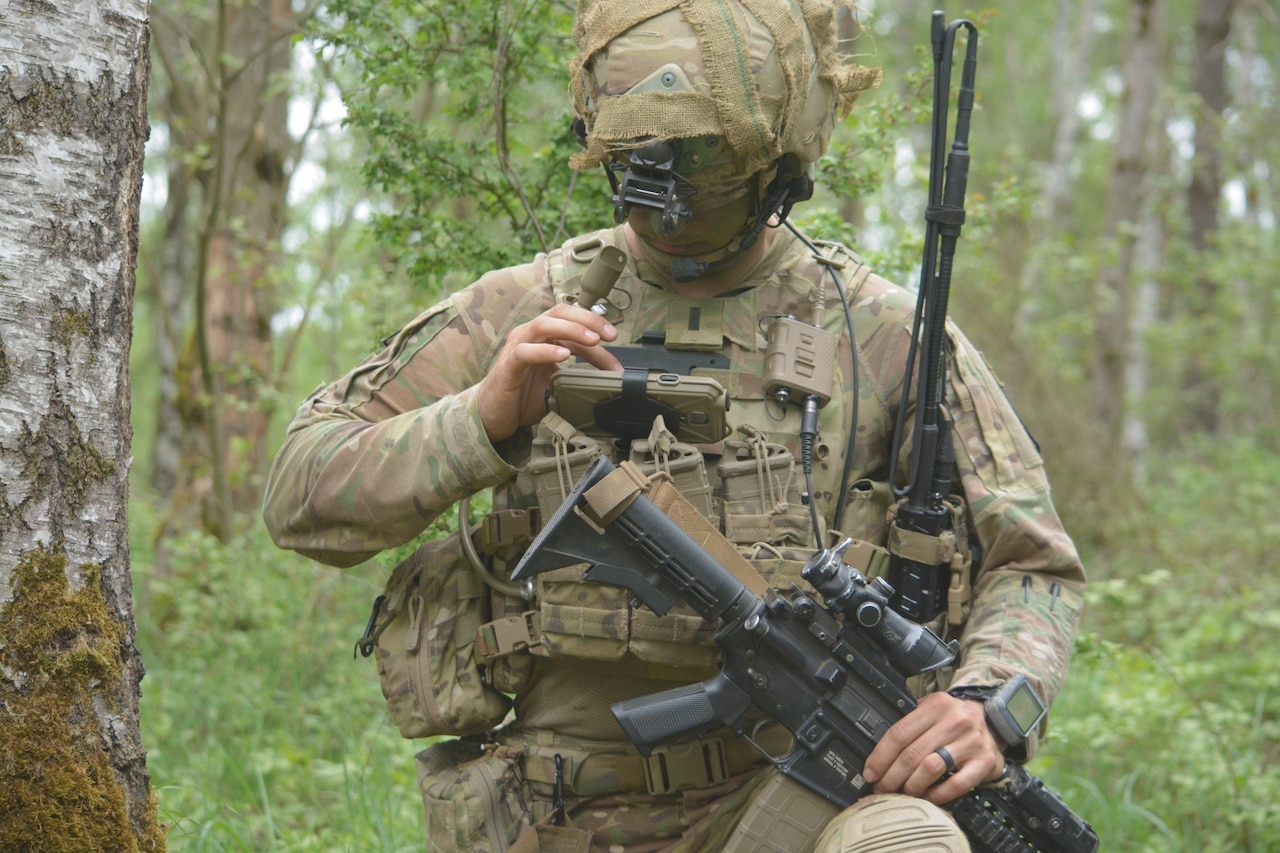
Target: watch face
{"type": "Point", "coordinates": [1024, 708]}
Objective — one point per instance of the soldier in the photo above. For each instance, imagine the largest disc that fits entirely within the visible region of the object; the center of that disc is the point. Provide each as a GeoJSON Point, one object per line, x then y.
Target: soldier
{"type": "Point", "coordinates": [707, 115]}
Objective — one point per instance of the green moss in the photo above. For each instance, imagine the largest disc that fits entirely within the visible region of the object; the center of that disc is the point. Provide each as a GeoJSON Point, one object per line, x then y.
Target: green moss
{"type": "Point", "coordinates": [63, 656]}
{"type": "Point", "coordinates": [67, 324]}
{"type": "Point", "coordinates": [58, 453]}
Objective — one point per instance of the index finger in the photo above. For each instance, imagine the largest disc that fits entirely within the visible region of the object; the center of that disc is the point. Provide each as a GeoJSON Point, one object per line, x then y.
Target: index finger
{"type": "Point", "coordinates": [598, 356]}
{"type": "Point", "coordinates": [902, 733]}
{"type": "Point", "coordinates": [594, 354]}
{"type": "Point", "coordinates": [597, 323]}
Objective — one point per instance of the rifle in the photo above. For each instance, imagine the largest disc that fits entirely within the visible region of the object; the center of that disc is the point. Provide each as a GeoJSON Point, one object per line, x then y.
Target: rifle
{"type": "Point", "coordinates": [834, 673]}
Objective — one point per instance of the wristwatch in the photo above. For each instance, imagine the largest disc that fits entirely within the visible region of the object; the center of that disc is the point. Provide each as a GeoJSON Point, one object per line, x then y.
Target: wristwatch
{"type": "Point", "coordinates": [1013, 709]}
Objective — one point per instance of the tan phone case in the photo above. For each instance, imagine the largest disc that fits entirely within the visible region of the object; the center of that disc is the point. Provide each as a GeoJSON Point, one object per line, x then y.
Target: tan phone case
{"type": "Point", "coordinates": [699, 402]}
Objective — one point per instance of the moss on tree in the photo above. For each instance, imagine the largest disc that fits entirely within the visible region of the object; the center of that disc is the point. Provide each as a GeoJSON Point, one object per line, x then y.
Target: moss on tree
{"type": "Point", "coordinates": [63, 657]}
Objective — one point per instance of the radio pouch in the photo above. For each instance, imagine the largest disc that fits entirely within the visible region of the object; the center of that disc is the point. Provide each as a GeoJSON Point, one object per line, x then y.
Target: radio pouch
{"type": "Point", "coordinates": [422, 634]}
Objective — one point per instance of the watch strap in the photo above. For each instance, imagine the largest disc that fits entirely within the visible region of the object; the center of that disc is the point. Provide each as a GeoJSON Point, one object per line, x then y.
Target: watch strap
{"type": "Point", "coordinates": [974, 692]}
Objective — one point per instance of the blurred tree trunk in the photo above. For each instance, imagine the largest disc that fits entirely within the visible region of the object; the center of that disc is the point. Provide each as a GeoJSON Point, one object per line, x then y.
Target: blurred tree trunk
{"type": "Point", "coordinates": [172, 315]}
{"type": "Point", "coordinates": [1148, 257]}
{"type": "Point", "coordinates": [73, 126]}
{"type": "Point", "coordinates": [1209, 84]}
{"type": "Point", "coordinates": [180, 102]}
{"type": "Point", "coordinates": [1130, 163]}
{"type": "Point", "coordinates": [1072, 48]}
{"type": "Point", "coordinates": [1252, 139]}
{"type": "Point", "coordinates": [227, 73]}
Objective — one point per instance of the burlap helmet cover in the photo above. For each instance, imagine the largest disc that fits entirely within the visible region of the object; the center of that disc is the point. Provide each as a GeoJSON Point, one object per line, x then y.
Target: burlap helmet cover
{"type": "Point", "coordinates": [768, 75]}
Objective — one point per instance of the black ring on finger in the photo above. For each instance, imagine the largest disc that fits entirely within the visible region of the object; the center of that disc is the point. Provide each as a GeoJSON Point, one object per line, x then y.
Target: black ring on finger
{"type": "Point", "coordinates": [947, 759]}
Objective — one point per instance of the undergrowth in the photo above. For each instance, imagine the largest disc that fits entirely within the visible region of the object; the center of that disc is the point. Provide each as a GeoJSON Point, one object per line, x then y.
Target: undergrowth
{"type": "Point", "coordinates": [266, 735]}
{"type": "Point", "coordinates": [264, 732]}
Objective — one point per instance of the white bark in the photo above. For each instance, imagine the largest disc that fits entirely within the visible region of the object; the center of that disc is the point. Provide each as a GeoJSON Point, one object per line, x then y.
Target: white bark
{"type": "Point", "coordinates": [73, 82]}
{"type": "Point", "coordinates": [1069, 61]}
{"type": "Point", "coordinates": [68, 207]}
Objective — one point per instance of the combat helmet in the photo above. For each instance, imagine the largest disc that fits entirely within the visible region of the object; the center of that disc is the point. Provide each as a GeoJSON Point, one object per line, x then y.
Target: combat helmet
{"type": "Point", "coordinates": [743, 89]}
{"type": "Point", "coordinates": [771, 77]}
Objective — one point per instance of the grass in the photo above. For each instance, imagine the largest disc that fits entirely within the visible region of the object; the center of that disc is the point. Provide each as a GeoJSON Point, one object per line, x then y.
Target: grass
{"type": "Point", "coordinates": [265, 734]}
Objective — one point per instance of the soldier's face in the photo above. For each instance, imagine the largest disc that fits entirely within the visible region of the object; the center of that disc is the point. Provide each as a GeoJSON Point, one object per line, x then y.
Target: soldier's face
{"type": "Point", "coordinates": [720, 212]}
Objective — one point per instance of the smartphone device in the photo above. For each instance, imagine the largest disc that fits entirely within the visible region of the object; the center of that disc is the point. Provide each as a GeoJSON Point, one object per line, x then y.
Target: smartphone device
{"type": "Point", "coordinates": [693, 407]}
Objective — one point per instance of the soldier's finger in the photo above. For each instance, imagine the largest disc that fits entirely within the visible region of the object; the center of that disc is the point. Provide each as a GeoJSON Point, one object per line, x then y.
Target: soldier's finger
{"type": "Point", "coordinates": [916, 767]}
{"type": "Point", "coordinates": [581, 317]}
{"type": "Point", "coordinates": [931, 771]}
{"type": "Point", "coordinates": [901, 749]}
{"type": "Point", "coordinates": [964, 779]}
{"type": "Point", "coordinates": [548, 329]}
{"type": "Point", "coordinates": [596, 356]}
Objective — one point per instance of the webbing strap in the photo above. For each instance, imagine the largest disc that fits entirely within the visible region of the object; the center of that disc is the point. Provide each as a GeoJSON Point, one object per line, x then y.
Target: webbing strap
{"type": "Point", "coordinates": [921, 547]}
{"type": "Point", "coordinates": [615, 491]}
{"type": "Point", "coordinates": [610, 497]}
{"type": "Point", "coordinates": [667, 498]}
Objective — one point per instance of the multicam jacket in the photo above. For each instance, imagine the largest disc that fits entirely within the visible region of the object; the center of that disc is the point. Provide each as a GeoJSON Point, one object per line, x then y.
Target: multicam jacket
{"type": "Point", "coordinates": [372, 458]}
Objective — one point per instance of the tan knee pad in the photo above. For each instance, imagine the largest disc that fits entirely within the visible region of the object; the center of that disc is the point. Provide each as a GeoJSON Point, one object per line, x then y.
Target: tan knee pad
{"type": "Point", "coordinates": [892, 823]}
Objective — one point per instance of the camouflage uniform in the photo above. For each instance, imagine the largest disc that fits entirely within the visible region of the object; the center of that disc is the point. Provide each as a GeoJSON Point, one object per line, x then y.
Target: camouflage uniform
{"type": "Point", "coordinates": [371, 459]}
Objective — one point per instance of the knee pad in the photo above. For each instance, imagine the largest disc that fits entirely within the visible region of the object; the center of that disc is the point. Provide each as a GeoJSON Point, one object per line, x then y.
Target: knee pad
{"type": "Point", "coordinates": [892, 823]}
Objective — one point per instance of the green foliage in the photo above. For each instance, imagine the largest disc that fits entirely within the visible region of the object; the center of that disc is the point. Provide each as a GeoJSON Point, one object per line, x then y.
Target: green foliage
{"type": "Point", "coordinates": [265, 733]}
{"type": "Point", "coordinates": [1167, 733]}
{"type": "Point", "coordinates": [853, 202]}
{"type": "Point", "coordinates": [466, 109]}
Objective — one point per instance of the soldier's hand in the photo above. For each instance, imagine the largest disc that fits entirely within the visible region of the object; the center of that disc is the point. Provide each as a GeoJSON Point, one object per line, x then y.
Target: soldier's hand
{"type": "Point", "coordinates": [906, 759]}
{"type": "Point", "coordinates": [513, 393]}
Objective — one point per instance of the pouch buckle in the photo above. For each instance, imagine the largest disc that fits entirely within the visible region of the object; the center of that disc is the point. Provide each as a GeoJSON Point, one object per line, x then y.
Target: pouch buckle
{"type": "Point", "coordinates": [502, 531]}
{"type": "Point", "coordinates": [676, 767]}
{"type": "Point", "coordinates": [506, 636]}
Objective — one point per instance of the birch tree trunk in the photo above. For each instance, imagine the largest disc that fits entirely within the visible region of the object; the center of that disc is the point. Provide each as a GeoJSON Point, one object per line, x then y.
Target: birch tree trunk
{"type": "Point", "coordinates": [1127, 190]}
{"type": "Point", "coordinates": [1074, 24]}
{"type": "Point", "coordinates": [1213, 24]}
{"type": "Point", "coordinates": [73, 82]}
{"type": "Point", "coordinates": [1251, 144]}
{"type": "Point", "coordinates": [1069, 59]}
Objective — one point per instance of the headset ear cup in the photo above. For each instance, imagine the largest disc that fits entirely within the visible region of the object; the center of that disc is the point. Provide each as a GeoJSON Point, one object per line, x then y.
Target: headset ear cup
{"type": "Point", "coordinates": [802, 188]}
{"type": "Point", "coordinates": [579, 128]}
{"type": "Point", "coordinates": [797, 178]}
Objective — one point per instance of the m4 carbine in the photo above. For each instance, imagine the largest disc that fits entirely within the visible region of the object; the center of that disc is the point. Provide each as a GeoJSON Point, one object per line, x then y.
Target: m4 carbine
{"type": "Point", "coordinates": [832, 672]}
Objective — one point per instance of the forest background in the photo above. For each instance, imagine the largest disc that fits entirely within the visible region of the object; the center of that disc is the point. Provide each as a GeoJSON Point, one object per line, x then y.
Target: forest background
{"type": "Point", "coordinates": [319, 172]}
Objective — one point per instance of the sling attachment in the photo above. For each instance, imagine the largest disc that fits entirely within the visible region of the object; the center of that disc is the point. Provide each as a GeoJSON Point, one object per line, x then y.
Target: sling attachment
{"type": "Point", "coordinates": [557, 801]}
{"type": "Point", "coordinates": [369, 640]}
{"type": "Point", "coordinates": [610, 497]}
{"type": "Point", "coordinates": [959, 591]}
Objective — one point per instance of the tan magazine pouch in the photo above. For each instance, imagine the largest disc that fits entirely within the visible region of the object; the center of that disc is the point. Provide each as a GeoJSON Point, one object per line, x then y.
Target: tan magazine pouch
{"type": "Point", "coordinates": [423, 635]}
